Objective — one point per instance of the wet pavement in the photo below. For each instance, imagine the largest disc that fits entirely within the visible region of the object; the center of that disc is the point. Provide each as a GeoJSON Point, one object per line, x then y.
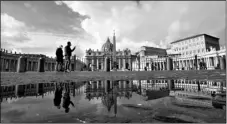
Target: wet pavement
{"type": "Point", "coordinates": [108, 101]}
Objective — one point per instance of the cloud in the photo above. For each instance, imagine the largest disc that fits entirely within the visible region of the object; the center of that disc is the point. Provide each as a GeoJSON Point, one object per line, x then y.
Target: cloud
{"type": "Point", "coordinates": [87, 24]}
{"type": "Point", "coordinates": [129, 21]}
{"type": "Point", "coordinates": [12, 31]}
{"type": "Point", "coordinates": [45, 16]}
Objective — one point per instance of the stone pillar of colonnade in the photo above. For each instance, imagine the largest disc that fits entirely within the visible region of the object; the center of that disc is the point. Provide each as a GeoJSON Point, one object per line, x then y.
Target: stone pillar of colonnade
{"type": "Point", "coordinates": [119, 63]}
{"type": "Point", "coordinates": [102, 84]}
{"type": "Point", "coordinates": [119, 84]}
{"type": "Point", "coordinates": [102, 63]}
{"type": "Point", "coordinates": [207, 62]}
{"type": "Point", "coordinates": [9, 65]}
{"type": "Point", "coordinates": [222, 62]}
{"type": "Point", "coordinates": [41, 65]}
{"type": "Point", "coordinates": [106, 86]}
{"type": "Point", "coordinates": [139, 64]}
{"type": "Point", "coordinates": [97, 63]}
{"type": "Point", "coordinates": [125, 84]}
{"type": "Point", "coordinates": [105, 64]}
{"type": "Point", "coordinates": [162, 65]}
{"type": "Point", "coordinates": [53, 69]}
{"type": "Point", "coordinates": [2, 64]}
{"type": "Point", "coordinates": [92, 64]}
{"type": "Point", "coordinates": [130, 64]}
{"type": "Point", "coordinates": [169, 63]}
{"type": "Point", "coordinates": [15, 65]}
{"type": "Point", "coordinates": [124, 63]}
{"type": "Point", "coordinates": [21, 66]}
{"type": "Point", "coordinates": [31, 68]}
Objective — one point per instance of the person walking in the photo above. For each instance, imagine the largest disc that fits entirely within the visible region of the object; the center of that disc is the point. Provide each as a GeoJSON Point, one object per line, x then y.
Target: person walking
{"type": "Point", "coordinates": [68, 54]}
{"type": "Point", "coordinates": [59, 58]}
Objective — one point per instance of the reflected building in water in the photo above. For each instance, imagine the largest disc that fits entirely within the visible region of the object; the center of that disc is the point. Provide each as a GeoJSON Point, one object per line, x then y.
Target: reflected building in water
{"type": "Point", "coordinates": [183, 84]}
{"type": "Point", "coordinates": [40, 89]}
{"type": "Point", "coordinates": [108, 91]}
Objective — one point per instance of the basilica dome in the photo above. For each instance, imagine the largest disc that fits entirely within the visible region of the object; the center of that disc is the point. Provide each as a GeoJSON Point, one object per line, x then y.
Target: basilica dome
{"type": "Point", "coordinates": [108, 46]}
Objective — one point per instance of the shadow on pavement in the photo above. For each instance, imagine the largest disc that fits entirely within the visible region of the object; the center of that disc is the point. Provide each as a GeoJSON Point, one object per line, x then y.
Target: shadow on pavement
{"type": "Point", "coordinates": [191, 106]}
{"type": "Point", "coordinates": [137, 107]}
{"type": "Point", "coordinates": [199, 98]}
{"type": "Point", "coordinates": [170, 119]}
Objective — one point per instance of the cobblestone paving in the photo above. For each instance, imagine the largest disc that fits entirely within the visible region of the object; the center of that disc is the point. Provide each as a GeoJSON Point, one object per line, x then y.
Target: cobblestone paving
{"type": "Point", "coordinates": [35, 77]}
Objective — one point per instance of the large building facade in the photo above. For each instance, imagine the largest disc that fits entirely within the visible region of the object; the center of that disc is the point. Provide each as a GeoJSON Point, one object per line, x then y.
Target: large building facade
{"type": "Point", "coordinates": [108, 58]}
{"type": "Point", "coordinates": [204, 46]}
{"type": "Point", "coordinates": [185, 54]}
{"type": "Point", "coordinates": [150, 57]}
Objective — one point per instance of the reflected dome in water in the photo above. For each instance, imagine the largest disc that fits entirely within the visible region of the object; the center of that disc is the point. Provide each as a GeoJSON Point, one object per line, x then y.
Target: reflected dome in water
{"type": "Point", "coordinates": [108, 101]}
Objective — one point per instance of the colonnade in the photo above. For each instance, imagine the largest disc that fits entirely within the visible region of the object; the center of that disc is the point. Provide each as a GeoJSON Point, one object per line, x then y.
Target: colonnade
{"type": "Point", "coordinates": [152, 64]}
{"type": "Point", "coordinates": [102, 63]}
{"type": "Point", "coordinates": [175, 63]}
{"type": "Point", "coordinates": [30, 62]}
{"type": "Point", "coordinates": [212, 62]}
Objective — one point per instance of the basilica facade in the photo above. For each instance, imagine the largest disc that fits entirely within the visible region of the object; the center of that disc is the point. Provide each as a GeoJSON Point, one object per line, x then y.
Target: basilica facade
{"type": "Point", "coordinates": [108, 59]}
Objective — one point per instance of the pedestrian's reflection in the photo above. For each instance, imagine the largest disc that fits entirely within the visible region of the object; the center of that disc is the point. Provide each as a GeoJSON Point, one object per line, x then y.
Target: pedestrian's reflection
{"type": "Point", "coordinates": [58, 96]}
{"type": "Point", "coordinates": [66, 99]}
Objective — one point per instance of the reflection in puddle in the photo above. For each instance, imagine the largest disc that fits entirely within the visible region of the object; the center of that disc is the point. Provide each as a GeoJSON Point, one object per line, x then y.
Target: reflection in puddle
{"type": "Point", "coordinates": [93, 101]}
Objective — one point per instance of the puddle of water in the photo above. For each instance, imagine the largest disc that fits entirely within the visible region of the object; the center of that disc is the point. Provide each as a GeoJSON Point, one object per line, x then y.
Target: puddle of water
{"type": "Point", "coordinates": [93, 101]}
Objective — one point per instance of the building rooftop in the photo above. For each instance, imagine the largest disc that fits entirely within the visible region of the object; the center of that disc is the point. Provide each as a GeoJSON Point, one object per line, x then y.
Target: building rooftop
{"type": "Point", "coordinates": [154, 51]}
{"type": "Point", "coordinates": [152, 47]}
{"type": "Point", "coordinates": [193, 37]}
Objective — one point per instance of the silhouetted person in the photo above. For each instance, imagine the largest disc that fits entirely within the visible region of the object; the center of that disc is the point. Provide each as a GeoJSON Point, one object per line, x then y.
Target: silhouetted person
{"type": "Point", "coordinates": [145, 68]}
{"type": "Point", "coordinates": [59, 58]}
{"type": "Point", "coordinates": [58, 96]}
{"type": "Point", "coordinates": [66, 99]}
{"type": "Point", "coordinates": [68, 54]}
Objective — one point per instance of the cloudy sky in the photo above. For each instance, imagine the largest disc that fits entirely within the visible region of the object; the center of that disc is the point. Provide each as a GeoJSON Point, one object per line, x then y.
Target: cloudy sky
{"type": "Point", "coordinates": [41, 26]}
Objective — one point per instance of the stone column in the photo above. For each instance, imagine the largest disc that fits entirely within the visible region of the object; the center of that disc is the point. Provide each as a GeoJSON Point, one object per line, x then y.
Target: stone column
{"type": "Point", "coordinates": [111, 64]}
{"type": "Point", "coordinates": [97, 85]}
{"type": "Point", "coordinates": [92, 85]}
{"type": "Point", "coordinates": [103, 63]}
{"type": "Point", "coordinates": [125, 84]}
{"type": "Point", "coordinates": [21, 65]}
{"type": "Point", "coordinates": [9, 65]}
{"type": "Point", "coordinates": [31, 66]}
{"type": "Point", "coordinates": [92, 64]}
{"type": "Point", "coordinates": [119, 63]}
{"type": "Point", "coordinates": [208, 62]}
{"type": "Point", "coordinates": [124, 63]}
{"type": "Point", "coordinates": [130, 64]}
{"type": "Point", "coordinates": [102, 84]}
{"type": "Point", "coordinates": [222, 62]}
{"type": "Point", "coordinates": [160, 65]}
{"type": "Point", "coordinates": [41, 65]}
{"type": "Point", "coordinates": [169, 63]}
{"type": "Point", "coordinates": [97, 63]}
{"type": "Point", "coordinates": [119, 84]}
{"type": "Point", "coordinates": [139, 64]}
{"type": "Point", "coordinates": [3, 65]}
{"type": "Point", "coordinates": [27, 67]}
